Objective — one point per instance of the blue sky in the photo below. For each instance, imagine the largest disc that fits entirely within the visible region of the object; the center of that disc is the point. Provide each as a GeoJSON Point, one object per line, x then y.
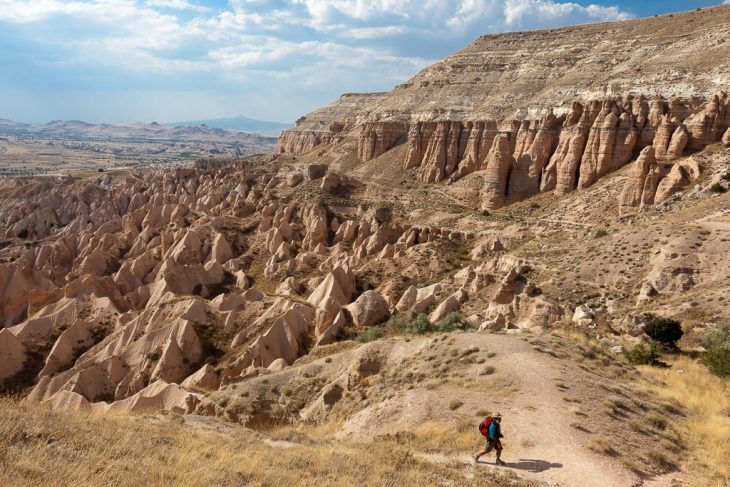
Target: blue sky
{"type": "Point", "coordinates": [169, 60]}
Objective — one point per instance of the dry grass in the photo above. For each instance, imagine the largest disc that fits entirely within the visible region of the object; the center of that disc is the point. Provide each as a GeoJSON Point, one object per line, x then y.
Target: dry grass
{"type": "Point", "coordinates": [706, 430]}
{"type": "Point", "coordinates": [40, 447]}
{"type": "Point", "coordinates": [451, 437]}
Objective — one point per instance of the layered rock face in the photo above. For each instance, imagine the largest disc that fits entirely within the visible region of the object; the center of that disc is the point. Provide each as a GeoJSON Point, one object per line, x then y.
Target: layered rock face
{"type": "Point", "coordinates": [326, 125]}
{"type": "Point", "coordinates": [562, 153]}
{"type": "Point", "coordinates": [570, 119]}
{"type": "Point", "coordinates": [291, 143]}
{"type": "Point", "coordinates": [520, 75]}
{"type": "Point", "coordinates": [377, 138]}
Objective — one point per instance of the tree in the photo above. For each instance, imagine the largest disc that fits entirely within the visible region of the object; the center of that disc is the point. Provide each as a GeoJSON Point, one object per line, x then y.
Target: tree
{"type": "Point", "coordinates": [665, 331]}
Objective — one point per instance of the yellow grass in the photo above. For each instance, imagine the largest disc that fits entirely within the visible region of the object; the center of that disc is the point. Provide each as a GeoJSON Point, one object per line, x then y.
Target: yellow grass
{"type": "Point", "coordinates": [451, 437]}
{"type": "Point", "coordinates": [706, 430]}
{"type": "Point", "coordinates": [40, 447]}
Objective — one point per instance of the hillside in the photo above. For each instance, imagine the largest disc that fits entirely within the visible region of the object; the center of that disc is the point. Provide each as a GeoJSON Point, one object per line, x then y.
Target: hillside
{"type": "Point", "coordinates": [393, 273]}
{"type": "Point", "coordinates": [137, 131]}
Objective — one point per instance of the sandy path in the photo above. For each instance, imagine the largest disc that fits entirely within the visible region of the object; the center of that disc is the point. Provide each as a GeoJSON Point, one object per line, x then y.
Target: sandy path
{"type": "Point", "coordinates": [539, 441]}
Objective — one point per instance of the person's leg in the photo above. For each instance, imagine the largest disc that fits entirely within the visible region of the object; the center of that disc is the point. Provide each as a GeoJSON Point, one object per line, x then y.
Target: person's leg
{"type": "Point", "coordinates": [486, 450]}
{"type": "Point", "coordinates": [498, 447]}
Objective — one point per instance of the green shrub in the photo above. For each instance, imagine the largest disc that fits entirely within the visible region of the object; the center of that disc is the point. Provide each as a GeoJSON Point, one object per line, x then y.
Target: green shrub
{"type": "Point", "coordinates": [640, 355]}
{"type": "Point", "coordinates": [717, 338]}
{"type": "Point", "coordinates": [453, 321]}
{"type": "Point", "coordinates": [370, 335]}
{"type": "Point", "coordinates": [421, 325]}
{"type": "Point", "coordinates": [665, 331]}
{"type": "Point", "coordinates": [718, 188]}
{"type": "Point", "coordinates": [718, 361]}
{"type": "Point", "coordinates": [600, 234]}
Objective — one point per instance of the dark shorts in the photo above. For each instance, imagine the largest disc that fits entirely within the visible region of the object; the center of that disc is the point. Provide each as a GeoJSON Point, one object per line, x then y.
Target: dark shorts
{"type": "Point", "coordinates": [493, 442]}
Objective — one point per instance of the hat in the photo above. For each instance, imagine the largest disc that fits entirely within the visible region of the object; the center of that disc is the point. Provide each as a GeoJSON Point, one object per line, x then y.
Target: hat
{"type": "Point", "coordinates": [497, 415]}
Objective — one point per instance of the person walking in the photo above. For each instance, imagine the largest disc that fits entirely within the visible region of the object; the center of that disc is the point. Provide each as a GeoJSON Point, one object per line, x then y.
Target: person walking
{"type": "Point", "coordinates": [491, 428]}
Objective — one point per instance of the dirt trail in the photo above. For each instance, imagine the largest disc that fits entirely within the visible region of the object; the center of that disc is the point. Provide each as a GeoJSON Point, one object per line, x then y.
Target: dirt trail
{"type": "Point", "coordinates": [539, 441]}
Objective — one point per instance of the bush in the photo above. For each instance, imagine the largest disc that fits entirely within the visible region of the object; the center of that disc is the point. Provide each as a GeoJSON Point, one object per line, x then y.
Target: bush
{"type": "Point", "coordinates": [453, 321]}
{"type": "Point", "coordinates": [641, 355]}
{"type": "Point", "coordinates": [717, 358]}
{"type": "Point", "coordinates": [421, 325]}
{"type": "Point", "coordinates": [726, 176]}
{"type": "Point", "coordinates": [665, 331]}
{"type": "Point", "coordinates": [718, 188]}
{"type": "Point", "coordinates": [370, 335]}
{"type": "Point", "coordinates": [718, 361]}
{"type": "Point", "coordinates": [717, 338]}
{"type": "Point", "coordinates": [600, 234]}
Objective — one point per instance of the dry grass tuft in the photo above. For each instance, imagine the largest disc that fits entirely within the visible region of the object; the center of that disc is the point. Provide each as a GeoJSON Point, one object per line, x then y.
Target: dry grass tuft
{"type": "Point", "coordinates": [706, 429]}
{"type": "Point", "coordinates": [436, 436]}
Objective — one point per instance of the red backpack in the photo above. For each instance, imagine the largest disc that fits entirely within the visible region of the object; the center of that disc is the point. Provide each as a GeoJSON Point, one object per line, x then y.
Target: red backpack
{"type": "Point", "coordinates": [484, 426]}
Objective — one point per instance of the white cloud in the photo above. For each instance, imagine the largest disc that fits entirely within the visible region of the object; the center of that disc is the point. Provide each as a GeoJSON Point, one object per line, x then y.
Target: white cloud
{"type": "Point", "coordinates": [17, 11]}
{"type": "Point", "coordinates": [366, 44]}
{"type": "Point", "coordinates": [519, 12]}
{"type": "Point", "coordinates": [140, 30]}
{"type": "Point", "coordinates": [176, 4]}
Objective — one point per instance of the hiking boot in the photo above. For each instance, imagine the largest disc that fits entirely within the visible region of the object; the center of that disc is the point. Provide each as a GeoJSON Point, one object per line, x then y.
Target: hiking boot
{"type": "Point", "coordinates": [499, 462]}
{"type": "Point", "coordinates": [476, 458]}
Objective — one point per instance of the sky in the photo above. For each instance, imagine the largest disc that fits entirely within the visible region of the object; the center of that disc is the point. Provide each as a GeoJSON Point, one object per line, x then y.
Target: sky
{"type": "Point", "coordinates": [119, 61]}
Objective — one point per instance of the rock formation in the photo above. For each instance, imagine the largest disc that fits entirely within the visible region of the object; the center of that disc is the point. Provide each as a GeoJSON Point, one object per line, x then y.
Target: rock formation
{"type": "Point", "coordinates": [631, 197]}
{"type": "Point", "coordinates": [500, 165]}
{"type": "Point", "coordinates": [377, 138]}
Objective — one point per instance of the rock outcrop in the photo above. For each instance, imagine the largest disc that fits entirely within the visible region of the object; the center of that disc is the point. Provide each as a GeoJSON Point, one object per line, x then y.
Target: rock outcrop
{"type": "Point", "coordinates": [368, 309]}
{"type": "Point", "coordinates": [12, 355]}
{"type": "Point", "coordinates": [377, 138]}
{"type": "Point", "coordinates": [500, 164]}
{"type": "Point", "coordinates": [631, 197]}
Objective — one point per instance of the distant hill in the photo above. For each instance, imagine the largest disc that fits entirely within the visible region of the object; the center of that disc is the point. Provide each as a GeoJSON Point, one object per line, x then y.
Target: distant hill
{"type": "Point", "coordinates": [241, 123]}
{"type": "Point", "coordinates": [137, 131]}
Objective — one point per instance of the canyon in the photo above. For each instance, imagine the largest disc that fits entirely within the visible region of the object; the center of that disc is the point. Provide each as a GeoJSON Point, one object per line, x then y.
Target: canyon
{"type": "Point", "coordinates": [509, 219]}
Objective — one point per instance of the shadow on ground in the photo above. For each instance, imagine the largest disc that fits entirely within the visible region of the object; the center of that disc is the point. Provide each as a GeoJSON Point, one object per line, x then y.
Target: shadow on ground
{"type": "Point", "coordinates": [534, 466]}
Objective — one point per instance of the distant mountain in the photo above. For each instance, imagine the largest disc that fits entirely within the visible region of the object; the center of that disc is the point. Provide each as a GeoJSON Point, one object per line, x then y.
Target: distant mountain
{"type": "Point", "coordinates": [244, 124]}
{"type": "Point", "coordinates": [139, 131]}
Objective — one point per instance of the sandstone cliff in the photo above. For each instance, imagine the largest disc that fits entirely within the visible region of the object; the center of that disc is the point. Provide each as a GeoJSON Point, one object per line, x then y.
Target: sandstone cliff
{"type": "Point", "coordinates": [520, 75]}
{"type": "Point", "coordinates": [573, 110]}
{"type": "Point", "coordinates": [562, 154]}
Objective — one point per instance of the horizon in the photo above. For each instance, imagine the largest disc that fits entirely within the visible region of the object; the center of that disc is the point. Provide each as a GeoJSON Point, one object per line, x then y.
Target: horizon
{"type": "Point", "coordinates": [170, 61]}
{"type": "Point", "coordinates": [168, 123]}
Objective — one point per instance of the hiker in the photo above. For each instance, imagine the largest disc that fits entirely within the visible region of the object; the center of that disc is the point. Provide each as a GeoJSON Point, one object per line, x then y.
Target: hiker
{"type": "Point", "coordinates": [492, 431]}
